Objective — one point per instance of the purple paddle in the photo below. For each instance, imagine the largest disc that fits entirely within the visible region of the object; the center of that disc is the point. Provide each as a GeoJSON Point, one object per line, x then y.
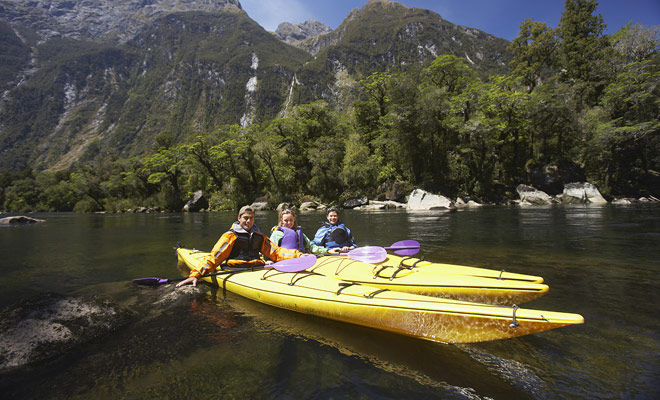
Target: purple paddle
{"type": "Point", "coordinates": [405, 247]}
{"type": "Point", "coordinates": [294, 264]}
{"type": "Point", "coordinates": [368, 254]}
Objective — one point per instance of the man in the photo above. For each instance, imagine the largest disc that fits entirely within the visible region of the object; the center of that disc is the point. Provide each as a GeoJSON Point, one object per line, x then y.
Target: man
{"type": "Point", "coordinates": [240, 246]}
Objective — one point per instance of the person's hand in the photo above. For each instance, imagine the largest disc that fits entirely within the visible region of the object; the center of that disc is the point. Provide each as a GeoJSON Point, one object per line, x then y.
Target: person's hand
{"type": "Point", "coordinates": [335, 251]}
{"type": "Point", "coordinates": [345, 249]}
{"type": "Point", "coordinates": [269, 262]}
{"type": "Point", "coordinates": [187, 281]}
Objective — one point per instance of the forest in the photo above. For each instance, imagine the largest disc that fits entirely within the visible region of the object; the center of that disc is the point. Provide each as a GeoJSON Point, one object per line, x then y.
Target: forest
{"type": "Point", "coordinates": [577, 105]}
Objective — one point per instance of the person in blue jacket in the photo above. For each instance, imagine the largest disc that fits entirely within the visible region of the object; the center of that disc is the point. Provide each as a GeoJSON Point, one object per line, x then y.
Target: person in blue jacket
{"type": "Point", "coordinates": [333, 234]}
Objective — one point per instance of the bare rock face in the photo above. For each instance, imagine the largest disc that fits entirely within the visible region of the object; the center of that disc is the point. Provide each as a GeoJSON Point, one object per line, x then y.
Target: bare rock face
{"type": "Point", "coordinates": [51, 324]}
{"type": "Point", "coordinates": [291, 33]}
{"type": "Point", "coordinates": [99, 18]}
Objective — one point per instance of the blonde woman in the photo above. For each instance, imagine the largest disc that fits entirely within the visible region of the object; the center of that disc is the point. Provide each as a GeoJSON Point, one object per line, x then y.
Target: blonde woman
{"type": "Point", "coordinates": [290, 236]}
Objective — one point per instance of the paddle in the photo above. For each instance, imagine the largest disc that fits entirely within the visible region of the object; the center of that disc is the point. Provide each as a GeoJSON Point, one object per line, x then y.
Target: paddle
{"type": "Point", "coordinates": [368, 254]}
{"type": "Point", "coordinates": [376, 254]}
{"type": "Point", "coordinates": [290, 265]}
{"type": "Point", "coordinates": [405, 247]}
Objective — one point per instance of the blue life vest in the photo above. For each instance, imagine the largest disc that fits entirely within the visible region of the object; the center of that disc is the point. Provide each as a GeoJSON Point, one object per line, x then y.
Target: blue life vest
{"type": "Point", "coordinates": [336, 236]}
{"type": "Point", "coordinates": [292, 239]}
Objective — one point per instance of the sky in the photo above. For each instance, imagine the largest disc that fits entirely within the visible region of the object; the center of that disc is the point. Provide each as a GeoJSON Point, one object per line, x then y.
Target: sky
{"type": "Point", "coordinates": [501, 18]}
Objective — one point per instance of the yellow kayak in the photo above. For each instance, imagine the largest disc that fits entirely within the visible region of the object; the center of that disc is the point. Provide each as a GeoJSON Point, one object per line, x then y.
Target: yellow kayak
{"type": "Point", "coordinates": [433, 268]}
{"type": "Point", "coordinates": [425, 317]}
{"type": "Point", "coordinates": [429, 279]}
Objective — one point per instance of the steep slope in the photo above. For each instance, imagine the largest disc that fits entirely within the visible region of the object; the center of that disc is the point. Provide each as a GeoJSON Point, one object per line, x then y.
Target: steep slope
{"type": "Point", "coordinates": [185, 74]}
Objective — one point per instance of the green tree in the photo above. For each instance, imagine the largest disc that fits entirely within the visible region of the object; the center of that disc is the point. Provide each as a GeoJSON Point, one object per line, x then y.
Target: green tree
{"type": "Point", "coordinates": [534, 52]}
{"type": "Point", "coordinates": [627, 136]}
{"type": "Point", "coordinates": [504, 105]}
{"type": "Point", "coordinates": [165, 168]}
{"type": "Point", "coordinates": [637, 42]}
{"type": "Point", "coordinates": [584, 51]}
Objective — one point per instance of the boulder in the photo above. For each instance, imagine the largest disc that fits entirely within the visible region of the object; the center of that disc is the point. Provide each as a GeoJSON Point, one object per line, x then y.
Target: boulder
{"type": "Point", "coordinates": [356, 202]}
{"type": "Point", "coordinates": [582, 192]}
{"type": "Point", "coordinates": [51, 324]}
{"type": "Point", "coordinates": [624, 201]}
{"type": "Point", "coordinates": [420, 200]}
{"type": "Point", "coordinates": [20, 219]}
{"type": "Point", "coordinates": [283, 206]}
{"type": "Point", "coordinates": [196, 202]}
{"type": "Point", "coordinates": [260, 206]}
{"type": "Point", "coordinates": [381, 205]}
{"type": "Point", "coordinates": [311, 206]}
{"type": "Point", "coordinates": [530, 195]}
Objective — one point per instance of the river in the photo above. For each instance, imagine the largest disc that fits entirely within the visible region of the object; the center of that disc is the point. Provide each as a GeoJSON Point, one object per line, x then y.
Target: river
{"type": "Point", "coordinates": [602, 262]}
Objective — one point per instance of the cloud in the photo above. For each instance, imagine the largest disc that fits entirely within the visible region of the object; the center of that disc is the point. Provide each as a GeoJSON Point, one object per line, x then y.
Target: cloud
{"type": "Point", "coordinates": [270, 13]}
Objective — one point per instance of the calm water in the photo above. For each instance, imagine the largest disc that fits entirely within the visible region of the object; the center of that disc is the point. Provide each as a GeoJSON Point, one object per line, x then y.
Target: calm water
{"type": "Point", "coordinates": [601, 262]}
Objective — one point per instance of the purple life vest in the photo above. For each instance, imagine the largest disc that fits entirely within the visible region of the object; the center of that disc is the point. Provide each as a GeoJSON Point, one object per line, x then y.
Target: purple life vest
{"type": "Point", "coordinates": [292, 239]}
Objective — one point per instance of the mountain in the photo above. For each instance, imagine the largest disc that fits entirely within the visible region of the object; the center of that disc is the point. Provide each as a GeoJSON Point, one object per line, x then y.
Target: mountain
{"type": "Point", "coordinates": [85, 77]}
{"type": "Point", "coordinates": [292, 34]}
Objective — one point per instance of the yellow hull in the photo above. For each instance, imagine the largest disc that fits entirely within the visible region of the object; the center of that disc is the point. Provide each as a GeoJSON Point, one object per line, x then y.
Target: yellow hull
{"type": "Point", "coordinates": [433, 268]}
{"type": "Point", "coordinates": [424, 317]}
{"type": "Point", "coordinates": [430, 280]}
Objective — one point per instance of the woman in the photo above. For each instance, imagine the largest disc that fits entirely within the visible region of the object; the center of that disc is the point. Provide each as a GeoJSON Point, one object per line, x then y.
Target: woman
{"type": "Point", "coordinates": [289, 236]}
{"type": "Point", "coordinates": [333, 234]}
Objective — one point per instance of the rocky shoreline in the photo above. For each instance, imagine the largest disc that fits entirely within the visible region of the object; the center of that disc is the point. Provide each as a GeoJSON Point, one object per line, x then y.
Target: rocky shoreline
{"type": "Point", "coordinates": [416, 200]}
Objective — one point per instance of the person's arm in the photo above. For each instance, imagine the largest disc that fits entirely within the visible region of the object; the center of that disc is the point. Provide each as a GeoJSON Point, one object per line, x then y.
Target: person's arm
{"type": "Point", "coordinates": [276, 253]}
{"type": "Point", "coordinates": [220, 252]}
{"type": "Point", "coordinates": [314, 249]}
{"type": "Point", "coordinates": [320, 234]}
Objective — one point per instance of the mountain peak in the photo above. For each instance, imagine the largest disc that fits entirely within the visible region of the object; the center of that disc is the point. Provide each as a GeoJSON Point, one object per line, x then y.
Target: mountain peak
{"type": "Point", "coordinates": [291, 33]}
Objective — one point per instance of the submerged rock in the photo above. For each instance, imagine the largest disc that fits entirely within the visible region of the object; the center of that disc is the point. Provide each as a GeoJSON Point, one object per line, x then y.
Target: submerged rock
{"type": "Point", "coordinates": [20, 219]}
{"type": "Point", "coordinates": [49, 325]}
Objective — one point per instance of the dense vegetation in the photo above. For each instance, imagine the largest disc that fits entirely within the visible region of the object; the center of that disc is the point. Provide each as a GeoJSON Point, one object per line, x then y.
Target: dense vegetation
{"type": "Point", "coordinates": [578, 105]}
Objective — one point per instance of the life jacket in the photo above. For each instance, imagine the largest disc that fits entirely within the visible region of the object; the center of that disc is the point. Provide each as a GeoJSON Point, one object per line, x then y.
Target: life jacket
{"type": "Point", "coordinates": [247, 246]}
{"type": "Point", "coordinates": [292, 239]}
{"type": "Point", "coordinates": [336, 236]}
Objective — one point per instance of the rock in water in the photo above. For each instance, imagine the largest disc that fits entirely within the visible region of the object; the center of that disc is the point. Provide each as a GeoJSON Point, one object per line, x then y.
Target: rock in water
{"type": "Point", "coordinates": [50, 325]}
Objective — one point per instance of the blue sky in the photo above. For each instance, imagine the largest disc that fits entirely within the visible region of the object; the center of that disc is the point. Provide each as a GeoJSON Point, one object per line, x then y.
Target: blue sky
{"type": "Point", "coordinates": [501, 18]}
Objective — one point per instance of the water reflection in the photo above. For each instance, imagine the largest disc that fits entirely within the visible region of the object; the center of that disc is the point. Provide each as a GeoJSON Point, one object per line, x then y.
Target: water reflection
{"type": "Point", "coordinates": [601, 262]}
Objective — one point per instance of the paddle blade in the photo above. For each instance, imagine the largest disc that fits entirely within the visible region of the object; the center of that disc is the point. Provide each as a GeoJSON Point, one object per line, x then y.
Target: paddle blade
{"type": "Point", "coordinates": [368, 254]}
{"type": "Point", "coordinates": [295, 264]}
{"type": "Point", "coordinates": [150, 281]}
{"type": "Point", "coordinates": [405, 247]}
